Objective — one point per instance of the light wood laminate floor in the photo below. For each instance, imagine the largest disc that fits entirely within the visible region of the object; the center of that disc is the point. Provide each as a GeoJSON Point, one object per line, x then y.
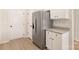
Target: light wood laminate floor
{"type": "Point", "coordinates": [19, 44]}
{"type": "Point", "coordinates": [76, 45]}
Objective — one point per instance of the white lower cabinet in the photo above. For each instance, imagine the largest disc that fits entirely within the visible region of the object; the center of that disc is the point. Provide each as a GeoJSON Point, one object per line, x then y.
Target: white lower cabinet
{"type": "Point", "coordinates": [55, 41]}
{"type": "Point", "coordinates": [48, 41]}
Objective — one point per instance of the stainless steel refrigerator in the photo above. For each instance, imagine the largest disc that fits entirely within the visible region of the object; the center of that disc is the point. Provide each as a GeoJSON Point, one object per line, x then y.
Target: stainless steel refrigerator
{"type": "Point", "coordinates": [40, 21]}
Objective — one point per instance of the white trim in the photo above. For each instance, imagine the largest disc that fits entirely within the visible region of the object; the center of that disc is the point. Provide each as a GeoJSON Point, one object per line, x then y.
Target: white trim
{"type": "Point", "coordinates": [2, 42]}
{"type": "Point", "coordinates": [73, 29]}
{"type": "Point", "coordinates": [77, 40]}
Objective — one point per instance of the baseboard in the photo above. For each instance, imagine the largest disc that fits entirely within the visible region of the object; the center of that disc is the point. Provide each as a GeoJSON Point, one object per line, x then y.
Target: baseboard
{"type": "Point", "coordinates": [5, 41]}
{"type": "Point", "coordinates": [2, 42]}
{"type": "Point", "coordinates": [76, 40]}
{"type": "Point", "coordinates": [29, 38]}
{"type": "Point", "coordinates": [22, 38]}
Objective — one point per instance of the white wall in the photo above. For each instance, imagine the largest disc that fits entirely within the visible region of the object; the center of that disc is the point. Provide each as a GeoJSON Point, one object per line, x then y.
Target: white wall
{"type": "Point", "coordinates": [29, 22]}
{"type": "Point", "coordinates": [76, 24]}
{"type": "Point", "coordinates": [18, 19]}
{"type": "Point", "coordinates": [1, 24]}
{"type": "Point", "coordinates": [4, 22]}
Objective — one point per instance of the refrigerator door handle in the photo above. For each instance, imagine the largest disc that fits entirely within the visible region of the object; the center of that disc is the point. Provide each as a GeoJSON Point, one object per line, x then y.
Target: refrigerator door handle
{"type": "Point", "coordinates": [35, 25]}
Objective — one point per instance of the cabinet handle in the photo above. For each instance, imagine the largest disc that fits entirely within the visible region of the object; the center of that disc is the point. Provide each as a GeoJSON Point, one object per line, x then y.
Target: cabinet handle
{"type": "Point", "coordinates": [51, 38]}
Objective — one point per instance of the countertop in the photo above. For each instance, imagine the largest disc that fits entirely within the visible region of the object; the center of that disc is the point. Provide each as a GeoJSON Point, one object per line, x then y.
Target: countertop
{"type": "Point", "coordinates": [58, 30]}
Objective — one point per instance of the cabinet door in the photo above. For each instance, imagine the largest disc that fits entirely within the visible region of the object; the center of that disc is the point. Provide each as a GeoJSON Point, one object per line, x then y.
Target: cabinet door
{"type": "Point", "coordinates": [59, 14]}
{"type": "Point", "coordinates": [53, 40]}
{"type": "Point", "coordinates": [65, 41]}
{"type": "Point", "coordinates": [59, 41]}
{"type": "Point", "coordinates": [48, 41]}
{"type": "Point", "coordinates": [56, 44]}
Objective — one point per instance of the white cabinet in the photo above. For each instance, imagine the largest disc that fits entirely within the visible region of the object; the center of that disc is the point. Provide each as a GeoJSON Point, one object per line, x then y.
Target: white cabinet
{"type": "Point", "coordinates": [56, 41]}
{"type": "Point", "coordinates": [59, 14]}
{"type": "Point", "coordinates": [48, 41]}
{"type": "Point", "coordinates": [65, 41]}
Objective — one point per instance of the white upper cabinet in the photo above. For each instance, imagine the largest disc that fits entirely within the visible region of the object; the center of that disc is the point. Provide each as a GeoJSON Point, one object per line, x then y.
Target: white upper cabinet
{"type": "Point", "coordinates": [59, 14]}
